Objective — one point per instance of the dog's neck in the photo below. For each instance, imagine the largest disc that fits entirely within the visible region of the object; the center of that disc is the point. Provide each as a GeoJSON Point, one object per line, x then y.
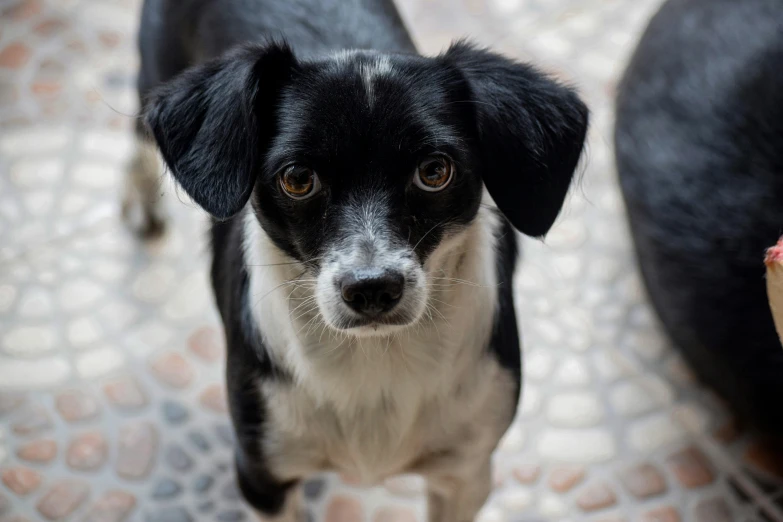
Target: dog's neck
{"type": "Point", "coordinates": [350, 372]}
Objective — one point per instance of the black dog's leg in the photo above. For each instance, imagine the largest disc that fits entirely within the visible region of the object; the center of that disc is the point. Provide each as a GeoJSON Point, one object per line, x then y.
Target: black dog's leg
{"type": "Point", "coordinates": [274, 501]}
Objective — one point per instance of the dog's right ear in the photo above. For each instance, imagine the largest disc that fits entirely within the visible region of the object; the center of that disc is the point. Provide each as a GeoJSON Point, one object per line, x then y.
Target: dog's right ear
{"type": "Point", "coordinates": [212, 123]}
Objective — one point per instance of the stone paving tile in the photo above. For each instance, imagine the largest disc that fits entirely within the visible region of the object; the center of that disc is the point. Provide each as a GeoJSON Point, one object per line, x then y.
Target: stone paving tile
{"type": "Point", "coordinates": [663, 514]}
{"type": "Point", "coordinates": [644, 481]}
{"type": "Point", "coordinates": [564, 479]}
{"type": "Point", "coordinates": [112, 506]}
{"type": "Point", "coordinates": [112, 407]}
{"type": "Point", "coordinates": [62, 499]}
{"type": "Point", "coordinates": [40, 451]}
{"type": "Point", "coordinates": [125, 393]}
{"type": "Point", "coordinates": [87, 452]}
{"type": "Point", "coordinates": [596, 496]}
{"type": "Point", "coordinates": [20, 480]}
{"type": "Point", "coordinates": [691, 468]}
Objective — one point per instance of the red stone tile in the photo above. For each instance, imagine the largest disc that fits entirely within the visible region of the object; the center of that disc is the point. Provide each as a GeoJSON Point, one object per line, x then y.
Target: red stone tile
{"type": "Point", "coordinates": [46, 89]}
{"type": "Point", "coordinates": [565, 478]}
{"type": "Point", "coordinates": [644, 481]}
{"type": "Point", "coordinates": [173, 369]}
{"type": "Point", "coordinates": [395, 514]}
{"type": "Point", "coordinates": [527, 473]}
{"type": "Point", "coordinates": [207, 344]}
{"type": "Point", "coordinates": [87, 451]}
{"type": "Point", "coordinates": [76, 45]}
{"type": "Point", "coordinates": [93, 96]}
{"type": "Point", "coordinates": [113, 506]}
{"type": "Point", "coordinates": [125, 393]}
{"type": "Point", "coordinates": [24, 10]}
{"type": "Point", "coordinates": [40, 451]}
{"type": "Point", "coordinates": [691, 468]}
{"type": "Point", "coordinates": [765, 456]}
{"type": "Point", "coordinates": [63, 498]}
{"type": "Point", "coordinates": [713, 510]}
{"type": "Point", "coordinates": [344, 509]}
{"type": "Point", "coordinates": [14, 56]}
{"type": "Point", "coordinates": [50, 27]}
{"type": "Point", "coordinates": [109, 39]}
{"type": "Point", "coordinates": [76, 405]}
{"type": "Point", "coordinates": [214, 398]}
{"type": "Point", "coordinates": [662, 514]}
{"type": "Point", "coordinates": [137, 447]}
{"type": "Point", "coordinates": [595, 497]}
{"type": "Point", "coordinates": [21, 480]}
{"type": "Point", "coordinates": [728, 432]}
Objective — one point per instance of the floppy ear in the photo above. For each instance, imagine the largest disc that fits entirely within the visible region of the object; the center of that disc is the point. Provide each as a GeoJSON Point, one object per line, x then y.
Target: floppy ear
{"type": "Point", "coordinates": [531, 131]}
{"type": "Point", "coordinates": [213, 121]}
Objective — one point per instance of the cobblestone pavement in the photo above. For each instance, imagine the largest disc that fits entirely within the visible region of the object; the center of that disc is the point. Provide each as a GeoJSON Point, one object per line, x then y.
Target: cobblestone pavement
{"type": "Point", "coordinates": [111, 401]}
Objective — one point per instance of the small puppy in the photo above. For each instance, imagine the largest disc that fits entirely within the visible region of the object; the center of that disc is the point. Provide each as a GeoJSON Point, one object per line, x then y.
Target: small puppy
{"type": "Point", "coordinates": [363, 274]}
{"type": "Point", "coordinates": [699, 144]}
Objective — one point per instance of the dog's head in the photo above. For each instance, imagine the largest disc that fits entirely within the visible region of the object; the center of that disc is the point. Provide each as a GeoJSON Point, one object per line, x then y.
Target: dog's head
{"type": "Point", "coordinates": [361, 164]}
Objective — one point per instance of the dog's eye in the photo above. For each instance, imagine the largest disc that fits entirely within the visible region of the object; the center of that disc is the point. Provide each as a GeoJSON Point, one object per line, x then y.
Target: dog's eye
{"type": "Point", "coordinates": [299, 182]}
{"type": "Point", "coordinates": [434, 173]}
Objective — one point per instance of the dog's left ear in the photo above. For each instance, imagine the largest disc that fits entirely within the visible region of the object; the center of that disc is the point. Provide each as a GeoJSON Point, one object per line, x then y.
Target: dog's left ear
{"type": "Point", "coordinates": [531, 132]}
{"type": "Point", "coordinates": [213, 123]}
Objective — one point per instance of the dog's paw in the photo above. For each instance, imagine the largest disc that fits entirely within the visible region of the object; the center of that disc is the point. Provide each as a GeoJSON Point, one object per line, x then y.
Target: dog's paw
{"type": "Point", "coordinates": [297, 516]}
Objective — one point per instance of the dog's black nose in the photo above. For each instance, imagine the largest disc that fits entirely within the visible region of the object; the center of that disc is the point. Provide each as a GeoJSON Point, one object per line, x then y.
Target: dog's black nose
{"type": "Point", "coordinates": [372, 291]}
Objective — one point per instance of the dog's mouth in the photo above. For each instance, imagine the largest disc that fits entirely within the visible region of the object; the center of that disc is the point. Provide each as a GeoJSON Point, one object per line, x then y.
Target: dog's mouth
{"type": "Point", "coordinates": [376, 323]}
{"type": "Point", "coordinates": [373, 327]}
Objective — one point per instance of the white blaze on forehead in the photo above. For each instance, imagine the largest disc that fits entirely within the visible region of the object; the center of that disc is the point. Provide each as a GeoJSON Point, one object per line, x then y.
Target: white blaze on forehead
{"type": "Point", "coordinates": [379, 66]}
{"type": "Point", "coordinates": [370, 67]}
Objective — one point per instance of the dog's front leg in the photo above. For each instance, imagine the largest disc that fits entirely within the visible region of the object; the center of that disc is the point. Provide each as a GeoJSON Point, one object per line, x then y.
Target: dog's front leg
{"type": "Point", "coordinates": [291, 511]}
{"type": "Point", "coordinates": [272, 500]}
{"type": "Point", "coordinates": [458, 498]}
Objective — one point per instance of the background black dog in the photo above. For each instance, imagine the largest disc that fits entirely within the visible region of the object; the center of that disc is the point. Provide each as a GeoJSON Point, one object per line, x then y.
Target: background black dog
{"type": "Point", "coordinates": [699, 144]}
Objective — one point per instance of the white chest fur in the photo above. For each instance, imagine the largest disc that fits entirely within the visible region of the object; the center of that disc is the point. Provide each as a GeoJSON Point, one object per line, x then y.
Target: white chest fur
{"type": "Point", "coordinates": [421, 400]}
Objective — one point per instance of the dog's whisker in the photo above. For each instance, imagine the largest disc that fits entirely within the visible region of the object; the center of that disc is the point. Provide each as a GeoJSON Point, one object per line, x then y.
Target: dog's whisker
{"type": "Point", "coordinates": [305, 313]}
{"type": "Point", "coordinates": [444, 303]}
{"type": "Point", "coordinates": [428, 233]}
{"type": "Point", "coordinates": [305, 302]}
{"type": "Point", "coordinates": [464, 282]}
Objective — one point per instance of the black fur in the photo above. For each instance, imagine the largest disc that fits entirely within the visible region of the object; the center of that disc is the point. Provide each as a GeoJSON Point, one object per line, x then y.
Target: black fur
{"type": "Point", "coordinates": [228, 125]}
{"type": "Point", "coordinates": [505, 336]}
{"type": "Point", "coordinates": [213, 122]}
{"type": "Point", "coordinates": [530, 135]}
{"type": "Point", "coordinates": [699, 144]}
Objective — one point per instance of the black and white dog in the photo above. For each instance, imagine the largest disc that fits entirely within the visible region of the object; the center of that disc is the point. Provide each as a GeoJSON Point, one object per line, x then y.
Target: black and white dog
{"type": "Point", "coordinates": [366, 289]}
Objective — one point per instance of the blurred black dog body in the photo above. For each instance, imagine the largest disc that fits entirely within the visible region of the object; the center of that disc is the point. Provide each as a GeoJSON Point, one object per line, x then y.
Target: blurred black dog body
{"type": "Point", "coordinates": [699, 144]}
{"type": "Point", "coordinates": [363, 276]}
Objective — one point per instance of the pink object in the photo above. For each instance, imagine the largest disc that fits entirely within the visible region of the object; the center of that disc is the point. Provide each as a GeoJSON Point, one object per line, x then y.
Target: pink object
{"type": "Point", "coordinates": [774, 262]}
{"type": "Point", "coordinates": [775, 254]}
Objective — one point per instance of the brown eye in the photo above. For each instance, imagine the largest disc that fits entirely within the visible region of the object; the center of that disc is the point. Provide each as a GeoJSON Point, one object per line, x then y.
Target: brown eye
{"type": "Point", "coordinates": [434, 173]}
{"type": "Point", "coordinates": [299, 182]}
